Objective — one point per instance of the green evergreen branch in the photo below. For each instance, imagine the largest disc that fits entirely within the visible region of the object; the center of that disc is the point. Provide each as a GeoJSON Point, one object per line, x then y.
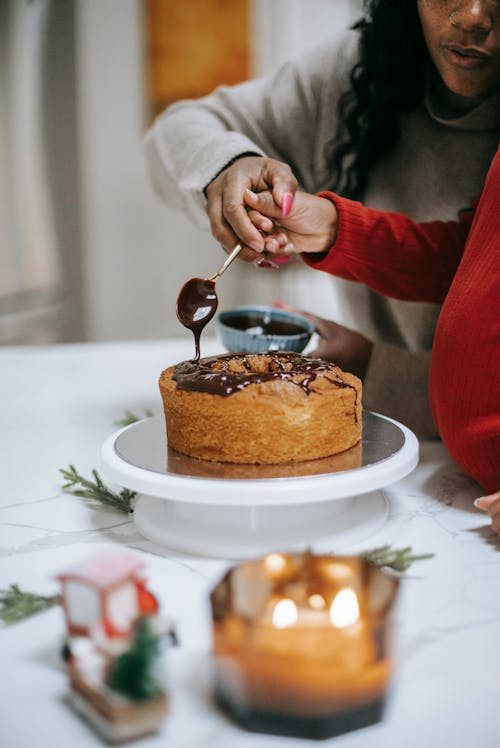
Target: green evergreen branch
{"type": "Point", "coordinates": [16, 604]}
{"type": "Point", "coordinates": [97, 491]}
{"type": "Point", "coordinates": [129, 418]}
{"type": "Point", "coordinates": [397, 559]}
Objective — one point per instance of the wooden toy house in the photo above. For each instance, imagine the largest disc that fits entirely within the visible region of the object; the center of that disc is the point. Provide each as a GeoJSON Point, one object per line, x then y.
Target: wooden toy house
{"type": "Point", "coordinates": [105, 595]}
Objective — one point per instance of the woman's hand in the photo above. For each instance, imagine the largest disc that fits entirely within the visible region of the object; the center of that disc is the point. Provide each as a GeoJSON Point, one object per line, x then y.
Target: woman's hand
{"type": "Point", "coordinates": [228, 215]}
{"type": "Point", "coordinates": [348, 349]}
{"type": "Point", "coordinates": [311, 225]}
{"type": "Point", "coordinates": [491, 504]}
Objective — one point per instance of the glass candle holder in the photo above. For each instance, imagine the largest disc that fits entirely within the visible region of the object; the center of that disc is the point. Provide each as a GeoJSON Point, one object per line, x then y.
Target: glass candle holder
{"type": "Point", "coordinates": [302, 643]}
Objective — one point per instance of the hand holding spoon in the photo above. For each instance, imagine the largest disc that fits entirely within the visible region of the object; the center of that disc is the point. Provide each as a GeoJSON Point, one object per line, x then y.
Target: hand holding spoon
{"type": "Point", "coordinates": [197, 301]}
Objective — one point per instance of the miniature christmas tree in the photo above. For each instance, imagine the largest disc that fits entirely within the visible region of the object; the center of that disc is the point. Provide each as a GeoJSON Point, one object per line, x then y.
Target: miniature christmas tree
{"type": "Point", "coordinates": [134, 672]}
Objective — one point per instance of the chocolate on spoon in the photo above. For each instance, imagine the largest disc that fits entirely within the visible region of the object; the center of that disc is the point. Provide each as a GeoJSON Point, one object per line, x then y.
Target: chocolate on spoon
{"type": "Point", "coordinates": [197, 301]}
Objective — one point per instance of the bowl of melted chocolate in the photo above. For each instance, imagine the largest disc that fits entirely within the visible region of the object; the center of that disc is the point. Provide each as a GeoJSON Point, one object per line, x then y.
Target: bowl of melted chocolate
{"type": "Point", "coordinates": [255, 329]}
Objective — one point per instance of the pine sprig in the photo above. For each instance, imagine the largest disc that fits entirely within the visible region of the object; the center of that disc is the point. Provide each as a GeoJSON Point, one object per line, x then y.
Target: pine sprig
{"type": "Point", "coordinates": [129, 418]}
{"type": "Point", "coordinates": [97, 491]}
{"type": "Point", "coordinates": [16, 604]}
{"type": "Point", "coordinates": [398, 559]}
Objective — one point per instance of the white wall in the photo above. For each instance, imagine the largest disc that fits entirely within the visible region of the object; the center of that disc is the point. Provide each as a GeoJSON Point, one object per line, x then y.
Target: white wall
{"type": "Point", "coordinates": [284, 28]}
{"type": "Point", "coordinates": [138, 252]}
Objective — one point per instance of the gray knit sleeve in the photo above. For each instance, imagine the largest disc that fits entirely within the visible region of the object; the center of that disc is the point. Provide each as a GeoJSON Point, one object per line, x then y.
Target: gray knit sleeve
{"type": "Point", "coordinates": [289, 115]}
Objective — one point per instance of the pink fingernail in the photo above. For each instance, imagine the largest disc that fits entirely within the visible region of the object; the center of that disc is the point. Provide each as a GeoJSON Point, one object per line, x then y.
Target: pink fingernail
{"type": "Point", "coordinates": [280, 260]}
{"type": "Point", "coordinates": [286, 203]}
{"type": "Point", "coordinates": [280, 305]}
{"type": "Point", "coordinates": [267, 264]}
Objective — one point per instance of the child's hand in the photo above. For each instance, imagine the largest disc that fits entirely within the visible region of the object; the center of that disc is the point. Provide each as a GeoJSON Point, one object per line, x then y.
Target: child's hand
{"type": "Point", "coordinates": [491, 504]}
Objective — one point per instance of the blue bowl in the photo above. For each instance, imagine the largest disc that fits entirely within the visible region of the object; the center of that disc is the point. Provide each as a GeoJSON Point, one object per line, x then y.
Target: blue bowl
{"type": "Point", "coordinates": [255, 329]}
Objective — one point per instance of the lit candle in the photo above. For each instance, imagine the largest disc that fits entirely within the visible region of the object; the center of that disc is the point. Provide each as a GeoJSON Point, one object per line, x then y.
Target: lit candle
{"type": "Point", "coordinates": [300, 643]}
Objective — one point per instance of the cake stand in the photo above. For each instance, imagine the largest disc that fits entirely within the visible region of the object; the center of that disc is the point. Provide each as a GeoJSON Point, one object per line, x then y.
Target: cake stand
{"type": "Point", "coordinates": [241, 511]}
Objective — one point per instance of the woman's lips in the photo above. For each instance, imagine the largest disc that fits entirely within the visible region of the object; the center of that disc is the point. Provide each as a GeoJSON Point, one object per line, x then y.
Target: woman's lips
{"type": "Point", "coordinates": [466, 57]}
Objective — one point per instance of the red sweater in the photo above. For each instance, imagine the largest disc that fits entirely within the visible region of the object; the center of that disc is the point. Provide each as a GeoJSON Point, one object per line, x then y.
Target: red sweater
{"type": "Point", "coordinates": [458, 262]}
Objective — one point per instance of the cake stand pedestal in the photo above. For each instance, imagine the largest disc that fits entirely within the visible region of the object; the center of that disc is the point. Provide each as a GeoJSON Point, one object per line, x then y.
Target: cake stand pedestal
{"type": "Point", "coordinates": [242, 511]}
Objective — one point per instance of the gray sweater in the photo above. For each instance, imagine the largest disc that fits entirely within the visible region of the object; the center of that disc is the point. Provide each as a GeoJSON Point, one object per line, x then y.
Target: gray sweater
{"type": "Point", "coordinates": [437, 167]}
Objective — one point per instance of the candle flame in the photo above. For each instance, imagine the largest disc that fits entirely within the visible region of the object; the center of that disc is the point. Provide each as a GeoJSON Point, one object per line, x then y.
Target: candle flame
{"type": "Point", "coordinates": [317, 601]}
{"type": "Point", "coordinates": [344, 610]}
{"type": "Point", "coordinates": [275, 563]}
{"type": "Point", "coordinates": [284, 614]}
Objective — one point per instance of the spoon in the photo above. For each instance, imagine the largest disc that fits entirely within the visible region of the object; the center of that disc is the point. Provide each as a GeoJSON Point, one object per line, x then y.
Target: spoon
{"type": "Point", "coordinates": [197, 301]}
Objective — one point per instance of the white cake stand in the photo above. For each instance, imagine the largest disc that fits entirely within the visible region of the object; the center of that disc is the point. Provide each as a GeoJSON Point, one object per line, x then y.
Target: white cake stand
{"type": "Point", "coordinates": [228, 511]}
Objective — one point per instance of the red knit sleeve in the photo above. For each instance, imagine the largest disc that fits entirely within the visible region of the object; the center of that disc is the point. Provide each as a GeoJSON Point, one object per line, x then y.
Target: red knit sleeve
{"type": "Point", "coordinates": [392, 254]}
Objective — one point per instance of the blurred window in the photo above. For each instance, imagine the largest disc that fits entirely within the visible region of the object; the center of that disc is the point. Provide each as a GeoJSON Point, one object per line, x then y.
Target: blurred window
{"type": "Point", "coordinates": [194, 46]}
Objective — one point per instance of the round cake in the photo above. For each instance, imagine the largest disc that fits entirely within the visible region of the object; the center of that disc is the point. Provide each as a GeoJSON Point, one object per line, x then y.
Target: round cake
{"type": "Point", "coordinates": [261, 408]}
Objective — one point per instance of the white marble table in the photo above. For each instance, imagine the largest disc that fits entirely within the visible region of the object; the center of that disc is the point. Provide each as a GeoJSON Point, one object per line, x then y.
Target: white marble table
{"type": "Point", "coordinates": [59, 403]}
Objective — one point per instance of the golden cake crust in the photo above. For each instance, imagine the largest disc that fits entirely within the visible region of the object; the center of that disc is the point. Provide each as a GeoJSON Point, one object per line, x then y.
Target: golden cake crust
{"type": "Point", "coordinates": [304, 408]}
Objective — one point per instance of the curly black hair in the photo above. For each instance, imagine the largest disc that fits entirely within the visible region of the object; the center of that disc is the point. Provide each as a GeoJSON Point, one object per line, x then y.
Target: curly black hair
{"type": "Point", "coordinates": [387, 80]}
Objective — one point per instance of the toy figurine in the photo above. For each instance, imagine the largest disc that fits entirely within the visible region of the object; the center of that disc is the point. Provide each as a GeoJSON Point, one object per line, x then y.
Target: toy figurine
{"type": "Point", "coordinates": [112, 651]}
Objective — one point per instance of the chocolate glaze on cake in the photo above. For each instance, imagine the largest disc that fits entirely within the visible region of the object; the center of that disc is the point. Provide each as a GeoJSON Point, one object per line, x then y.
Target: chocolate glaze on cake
{"type": "Point", "coordinates": [217, 375]}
